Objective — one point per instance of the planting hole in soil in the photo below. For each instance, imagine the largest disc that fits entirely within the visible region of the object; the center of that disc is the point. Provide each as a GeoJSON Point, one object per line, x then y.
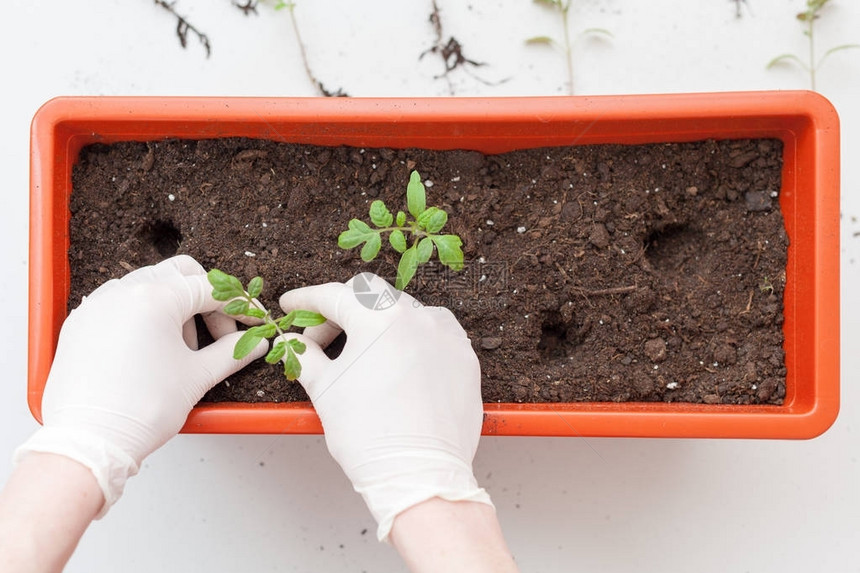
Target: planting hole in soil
{"type": "Point", "coordinates": [162, 236]}
{"type": "Point", "coordinates": [593, 273]}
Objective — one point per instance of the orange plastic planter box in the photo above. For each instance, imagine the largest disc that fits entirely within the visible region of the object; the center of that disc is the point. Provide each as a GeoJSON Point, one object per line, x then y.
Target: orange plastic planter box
{"type": "Point", "coordinates": [806, 123]}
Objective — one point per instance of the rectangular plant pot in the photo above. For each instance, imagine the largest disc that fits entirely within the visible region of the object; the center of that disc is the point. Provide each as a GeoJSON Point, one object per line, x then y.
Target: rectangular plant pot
{"type": "Point", "coordinates": [805, 122]}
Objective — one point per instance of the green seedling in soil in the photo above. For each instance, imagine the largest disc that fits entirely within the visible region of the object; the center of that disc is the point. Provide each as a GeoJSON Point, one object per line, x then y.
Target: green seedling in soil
{"type": "Point", "coordinates": [766, 285]}
{"type": "Point", "coordinates": [811, 66]}
{"type": "Point", "coordinates": [562, 7]}
{"type": "Point", "coordinates": [242, 302]}
{"type": "Point", "coordinates": [422, 231]}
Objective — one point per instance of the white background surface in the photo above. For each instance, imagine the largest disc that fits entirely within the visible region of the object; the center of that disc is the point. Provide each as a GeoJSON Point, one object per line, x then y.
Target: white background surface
{"type": "Point", "coordinates": [268, 503]}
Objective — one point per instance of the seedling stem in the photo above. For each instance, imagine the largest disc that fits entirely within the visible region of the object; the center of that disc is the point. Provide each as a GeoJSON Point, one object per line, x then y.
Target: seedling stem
{"type": "Point", "coordinates": [243, 302]}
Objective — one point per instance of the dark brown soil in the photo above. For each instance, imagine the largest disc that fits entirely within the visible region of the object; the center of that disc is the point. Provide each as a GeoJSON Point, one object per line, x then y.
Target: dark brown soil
{"type": "Point", "coordinates": [605, 273]}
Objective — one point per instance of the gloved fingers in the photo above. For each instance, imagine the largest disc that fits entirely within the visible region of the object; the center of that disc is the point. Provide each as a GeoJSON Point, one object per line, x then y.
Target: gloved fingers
{"type": "Point", "coordinates": [443, 318]}
{"type": "Point", "coordinates": [219, 324]}
{"type": "Point", "coordinates": [180, 265]}
{"type": "Point", "coordinates": [218, 362]}
{"type": "Point", "coordinates": [324, 333]}
{"type": "Point", "coordinates": [194, 296]}
{"type": "Point", "coordinates": [189, 334]}
{"type": "Point", "coordinates": [313, 360]}
{"type": "Point", "coordinates": [101, 291]}
{"type": "Point", "coordinates": [185, 264]}
{"type": "Point", "coordinates": [375, 293]}
{"type": "Point", "coordinates": [335, 301]}
{"type": "Point", "coordinates": [250, 320]}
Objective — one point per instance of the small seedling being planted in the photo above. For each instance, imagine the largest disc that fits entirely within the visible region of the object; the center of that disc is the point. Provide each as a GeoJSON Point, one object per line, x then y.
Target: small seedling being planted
{"type": "Point", "coordinates": [243, 302]}
{"type": "Point", "coordinates": [414, 238]}
{"type": "Point", "coordinates": [562, 7]}
{"type": "Point", "coordinates": [811, 65]}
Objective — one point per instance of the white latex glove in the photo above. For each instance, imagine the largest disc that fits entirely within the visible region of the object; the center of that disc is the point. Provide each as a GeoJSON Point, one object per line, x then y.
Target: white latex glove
{"type": "Point", "coordinates": [127, 373]}
{"type": "Point", "coordinates": [401, 405]}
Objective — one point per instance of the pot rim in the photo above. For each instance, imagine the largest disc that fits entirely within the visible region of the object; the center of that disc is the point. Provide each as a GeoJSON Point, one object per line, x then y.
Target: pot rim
{"type": "Point", "coordinates": [805, 121]}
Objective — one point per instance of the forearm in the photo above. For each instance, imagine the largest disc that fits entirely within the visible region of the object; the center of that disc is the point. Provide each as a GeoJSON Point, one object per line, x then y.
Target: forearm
{"type": "Point", "coordinates": [45, 508]}
{"type": "Point", "coordinates": [439, 535]}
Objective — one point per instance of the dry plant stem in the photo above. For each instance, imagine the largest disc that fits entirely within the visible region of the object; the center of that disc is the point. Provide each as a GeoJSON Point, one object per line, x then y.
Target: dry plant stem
{"type": "Point", "coordinates": [183, 26]}
{"type": "Point", "coordinates": [249, 7]}
{"type": "Point", "coordinates": [451, 53]}
{"type": "Point", "coordinates": [436, 20]}
{"type": "Point", "coordinates": [318, 85]}
{"type": "Point", "coordinates": [606, 291]}
{"type": "Point", "coordinates": [738, 4]}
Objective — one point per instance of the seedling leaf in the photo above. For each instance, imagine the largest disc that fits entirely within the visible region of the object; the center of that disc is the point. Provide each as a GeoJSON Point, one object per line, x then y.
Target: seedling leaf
{"type": "Point", "coordinates": [349, 239]}
{"type": "Point", "coordinates": [222, 281]}
{"type": "Point", "coordinates": [422, 219]}
{"type": "Point", "coordinates": [224, 286]}
{"type": "Point", "coordinates": [237, 306]}
{"type": "Point", "coordinates": [277, 352]}
{"type": "Point", "coordinates": [598, 31]}
{"type": "Point", "coordinates": [425, 250]}
{"type": "Point", "coordinates": [255, 287]}
{"type": "Point", "coordinates": [397, 240]}
{"type": "Point", "coordinates": [401, 218]}
{"type": "Point", "coordinates": [432, 219]}
{"type": "Point", "coordinates": [540, 40]}
{"type": "Point", "coordinates": [416, 196]}
{"type": "Point", "coordinates": [297, 345]}
{"type": "Point", "coordinates": [255, 313]}
{"type": "Point", "coordinates": [406, 268]}
{"type": "Point", "coordinates": [287, 321]}
{"type": "Point", "coordinates": [358, 233]}
{"type": "Point", "coordinates": [380, 215]}
{"type": "Point", "coordinates": [436, 221]}
{"type": "Point", "coordinates": [371, 248]}
{"type": "Point", "coordinates": [836, 49]}
{"type": "Point", "coordinates": [305, 318]}
{"type": "Point", "coordinates": [450, 254]}
{"type": "Point", "coordinates": [246, 344]}
{"type": "Point", "coordinates": [292, 366]}
{"type": "Point", "coordinates": [267, 330]}
{"type": "Point", "coordinates": [787, 57]}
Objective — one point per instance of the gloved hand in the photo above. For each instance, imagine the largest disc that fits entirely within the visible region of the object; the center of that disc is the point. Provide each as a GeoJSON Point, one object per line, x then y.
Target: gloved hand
{"type": "Point", "coordinates": [401, 405]}
{"type": "Point", "coordinates": [127, 370]}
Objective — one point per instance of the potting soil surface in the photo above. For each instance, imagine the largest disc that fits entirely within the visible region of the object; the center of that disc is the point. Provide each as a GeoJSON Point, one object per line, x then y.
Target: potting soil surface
{"type": "Point", "coordinates": [592, 273]}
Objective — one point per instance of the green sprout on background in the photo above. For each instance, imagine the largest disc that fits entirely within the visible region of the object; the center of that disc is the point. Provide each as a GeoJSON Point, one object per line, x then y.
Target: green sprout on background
{"type": "Point", "coordinates": [563, 8]}
{"type": "Point", "coordinates": [243, 303]}
{"type": "Point", "coordinates": [808, 17]}
{"type": "Point", "coordinates": [423, 230]}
